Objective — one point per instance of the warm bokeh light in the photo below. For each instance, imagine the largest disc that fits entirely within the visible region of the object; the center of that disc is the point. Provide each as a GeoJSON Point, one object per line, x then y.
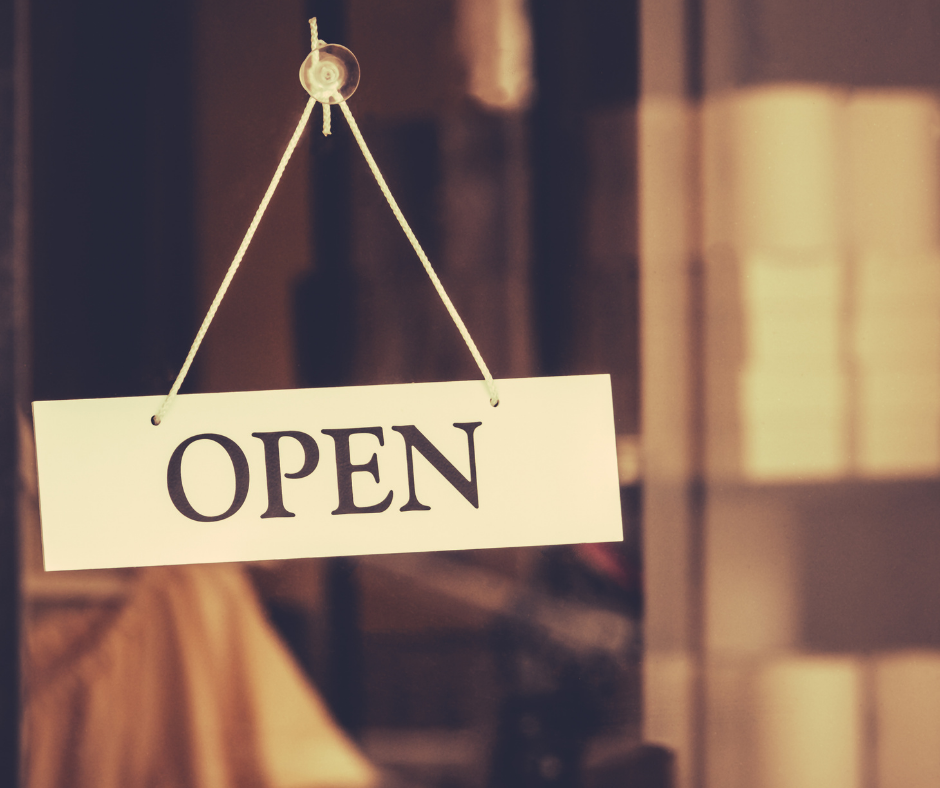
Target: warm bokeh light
{"type": "Point", "coordinates": [809, 723]}
{"type": "Point", "coordinates": [792, 383]}
{"type": "Point", "coordinates": [831, 215]}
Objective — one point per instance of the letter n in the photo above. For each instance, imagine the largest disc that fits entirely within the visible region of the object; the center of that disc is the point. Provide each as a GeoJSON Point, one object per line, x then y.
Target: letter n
{"type": "Point", "coordinates": [415, 439]}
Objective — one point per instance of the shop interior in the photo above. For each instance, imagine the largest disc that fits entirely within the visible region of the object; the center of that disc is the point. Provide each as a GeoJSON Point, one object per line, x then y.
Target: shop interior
{"type": "Point", "coordinates": [731, 207]}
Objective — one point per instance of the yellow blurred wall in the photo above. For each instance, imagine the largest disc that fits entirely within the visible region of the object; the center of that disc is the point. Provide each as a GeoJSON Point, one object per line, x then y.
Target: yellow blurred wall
{"type": "Point", "coordinates": [791, 391]}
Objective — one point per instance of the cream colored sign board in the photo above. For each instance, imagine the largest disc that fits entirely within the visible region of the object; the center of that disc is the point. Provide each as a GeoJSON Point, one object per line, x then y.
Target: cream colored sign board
{"type": "Point", "coordinates": [325, 472]}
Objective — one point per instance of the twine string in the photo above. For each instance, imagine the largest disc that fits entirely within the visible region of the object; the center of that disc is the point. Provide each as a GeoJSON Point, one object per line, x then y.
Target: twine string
{"type": "Point", "coordinates": [233, 267]}
{"type": "Point", "coordinates": [448, 304]}
{"type": "Point", "coordinates": [393, 204]}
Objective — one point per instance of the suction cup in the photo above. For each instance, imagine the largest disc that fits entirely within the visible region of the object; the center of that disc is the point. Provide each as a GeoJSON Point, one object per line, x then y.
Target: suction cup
{"type": "Point", "coordinates": [330, 73]}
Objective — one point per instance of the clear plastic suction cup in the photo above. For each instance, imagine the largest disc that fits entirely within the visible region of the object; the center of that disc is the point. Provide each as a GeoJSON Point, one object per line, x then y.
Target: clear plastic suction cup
{"type": "Point", "coordinates": [330, 73]}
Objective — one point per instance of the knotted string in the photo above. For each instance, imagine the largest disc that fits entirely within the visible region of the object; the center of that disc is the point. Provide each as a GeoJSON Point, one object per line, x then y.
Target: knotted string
{"type": "Point", "coordinates": [315, 44]}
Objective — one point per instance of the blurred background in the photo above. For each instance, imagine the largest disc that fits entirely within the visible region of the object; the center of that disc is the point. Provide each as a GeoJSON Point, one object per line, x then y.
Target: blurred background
{"type": "Point", "coordinates": [730, 206]}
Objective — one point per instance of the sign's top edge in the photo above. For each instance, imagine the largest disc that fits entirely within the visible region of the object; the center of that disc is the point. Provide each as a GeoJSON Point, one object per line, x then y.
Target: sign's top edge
{"type": "Point", "coordinates": [286, 391]}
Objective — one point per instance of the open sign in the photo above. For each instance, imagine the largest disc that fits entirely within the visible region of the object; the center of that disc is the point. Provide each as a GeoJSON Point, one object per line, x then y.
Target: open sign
{"type": "Point", "coordinates": [319, 472]}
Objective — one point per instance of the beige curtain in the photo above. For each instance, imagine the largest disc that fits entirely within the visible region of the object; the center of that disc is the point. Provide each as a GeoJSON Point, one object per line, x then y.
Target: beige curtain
{"type": "Point", "coordinates": [185, 684]}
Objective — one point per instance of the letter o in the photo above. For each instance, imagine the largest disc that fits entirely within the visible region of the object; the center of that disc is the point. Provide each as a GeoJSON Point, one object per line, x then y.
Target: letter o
{"type": "Point", "coordinates": [174, 478]}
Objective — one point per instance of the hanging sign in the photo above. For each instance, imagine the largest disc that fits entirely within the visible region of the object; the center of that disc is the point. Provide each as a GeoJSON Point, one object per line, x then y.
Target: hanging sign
{"type": "Point", "coordinates": [326, 472]}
